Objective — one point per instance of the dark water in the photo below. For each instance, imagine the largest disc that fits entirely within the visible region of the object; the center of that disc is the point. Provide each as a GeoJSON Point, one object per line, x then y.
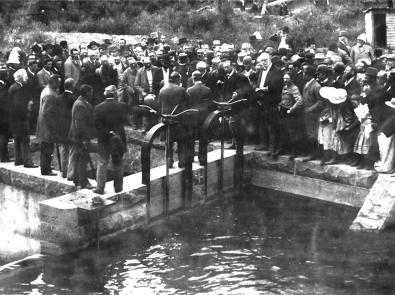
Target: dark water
{"type": "Point", "coordinates": [257, 244]}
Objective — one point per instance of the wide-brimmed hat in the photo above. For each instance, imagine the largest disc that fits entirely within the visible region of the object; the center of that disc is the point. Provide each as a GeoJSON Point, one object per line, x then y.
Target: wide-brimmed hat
{"type": "Point", "coordinates": [390, 56]}
{"type": "Point", "coordinates": [93, 45]}
{"type": "Point", "coordinates": [362, 37]}
{"type": "Point", "coordinates": [334, 95]}
{"type": "Point", "coordinates": [391, 103]}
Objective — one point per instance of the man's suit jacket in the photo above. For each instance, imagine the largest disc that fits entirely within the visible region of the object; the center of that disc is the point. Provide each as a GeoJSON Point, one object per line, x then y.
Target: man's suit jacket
{"type": "Point", "coordinates": [82, 121]}
{"type": "Point", "coordinates": [274, 82]}
{"type": "Point", "coordinates": [239, 84]}
{"type": "Point", "coordinates": [47, 120]}
{"type": "Point", "coordinates": [32, 85]}
{"type": "Point", "coordinates": [170, 97]}
{"type": "Point", "coordinates": [200, 98]}
{"type": "Point", "coordinates": [18, 97]}
{"type": "Point", "coordinates": [64, 107]}
{"type": "Point", "coordinates": [142, 84]}
{"type": "Point", "coordinates": [312, 100]}
{"type": "Point", "coordinates": [43, 78]}
{"type": "Point", "coordinates": [353, 89]}
{"type": "Point", "coordinates": [110, 115]}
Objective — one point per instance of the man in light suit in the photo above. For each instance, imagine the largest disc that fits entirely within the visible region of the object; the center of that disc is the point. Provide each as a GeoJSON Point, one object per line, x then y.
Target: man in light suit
{"type": "Point", "coordinates": [44, 74]}
{"type": "Point", "coordinates": [148, 82]}
{"type": "Point", "coordinates": [47, 130]}
{"type": "Point", "coordinates": [268, 88]}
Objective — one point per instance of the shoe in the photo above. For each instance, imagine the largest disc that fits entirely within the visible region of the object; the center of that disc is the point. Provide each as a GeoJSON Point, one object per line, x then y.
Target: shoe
{"type": "Point", "coordinates": [261, 147]}
{"type": "Point", "coordinates": [171, 162]}
{"type": "Point", "coordinates": [332, 161]}
{"type": "Point", "coordinates": [30, 165]}
{"type": "Point", "coordinates": [354, 163]}
{"type": "Point", "coordinates": [18, 163]}
{"type": "Point", "coordinates": [50, 173]}
{"type": "Point", "coordinates": [6, 160]}
{"type": "Point", "coordinates": [232, 147]}
{"type": "Point", "coordinates": [88, 186]}
{"type": "Point", "coordinates": [181, 165]}
{"type": "Point", "coordinates": [118, 190]}
{"type": "Point", "coordinates": [98, 191]}
{"type": "Point", "coordinates": [309, 158]}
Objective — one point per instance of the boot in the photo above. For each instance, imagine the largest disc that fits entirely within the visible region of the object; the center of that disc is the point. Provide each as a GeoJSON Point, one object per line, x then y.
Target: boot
{"type": "Point", "coordinates": [325, 158]}
{"type": "Point", "coordinates": [356, 161]}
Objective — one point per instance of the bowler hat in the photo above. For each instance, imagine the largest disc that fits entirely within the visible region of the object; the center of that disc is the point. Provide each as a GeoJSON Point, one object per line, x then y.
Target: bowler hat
{"type": "Point", "coordinates": [370, 71]}
{"type": "Point", "coordinates": [322, 68]}
{"type": "Point", "coordinates": [93, 44]}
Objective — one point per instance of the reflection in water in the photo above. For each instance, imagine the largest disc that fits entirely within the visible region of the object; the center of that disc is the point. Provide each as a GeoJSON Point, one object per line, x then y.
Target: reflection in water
{"type": "Point", "coordinates": [19, 223]}
{"type": "Point", "coordinates": [270, 244]}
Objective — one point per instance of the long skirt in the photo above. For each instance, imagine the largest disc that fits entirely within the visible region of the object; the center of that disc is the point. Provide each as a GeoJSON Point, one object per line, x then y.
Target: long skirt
{"type": "Point", "coordinates": [387, 153]}
{"type": "Point", "coordinates": [325, 135]}
{"type": "Point", "coordinates": [363, 141]}
{"type": "Point", "coordinates": [343, 142]}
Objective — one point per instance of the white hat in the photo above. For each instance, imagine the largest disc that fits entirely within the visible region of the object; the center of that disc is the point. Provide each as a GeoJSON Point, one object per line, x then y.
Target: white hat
{"type": "Point", "coordinates": [391, 103]}
{"type": "Point", "coordinates": [201, 65]}
{"type": "Point", "coordinates": [362, 37]}
{"type": "Point", "coordinates": [14, 56]}
{"type": "Point", "coordinates": [19, 74]}
{"type": "Point", "coordinates": [110, 90]}
{"type": "Point", "coordinates": [334, 95]}
{"type": "Point", "coordinates": [258, 35]}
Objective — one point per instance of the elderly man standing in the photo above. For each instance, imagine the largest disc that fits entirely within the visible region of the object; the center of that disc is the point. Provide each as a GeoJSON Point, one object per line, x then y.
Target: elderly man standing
{"type": "Point", "coordinates": [268, 90]}
{"type": "Point", "coordinates": [47, 130]}
{"type": "Point", "coordinates": [82, 130]}
{"type": "Point", "coordinates": [19, 118]}
{"type": "Point", "coordinates": [110, 118]}
{"type": "Point", "coordinates": [148, 82]}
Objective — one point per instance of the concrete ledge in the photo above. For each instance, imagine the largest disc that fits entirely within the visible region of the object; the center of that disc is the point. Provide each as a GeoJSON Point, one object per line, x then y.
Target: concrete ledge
{"type": "Point", "coordinates": [310, 187]}
{"type": "Point", "coordinates": [335, 173]}
{"type": "Point", "coordinates": [31, 179]}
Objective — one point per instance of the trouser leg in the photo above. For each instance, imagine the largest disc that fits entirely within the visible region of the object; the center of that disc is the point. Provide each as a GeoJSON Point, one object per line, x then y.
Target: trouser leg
{"type": "Point", "coordinates": [71, 168]}
{"type": "Point", "coordinates": [46, 151]}
{"type": "Point", "coordinates": [26, 155]}
{"type": "Point", "coordinates": [18, 150]}
{"type": "Point", "coordinates": [64, 149]}
{"type": "Point", "coordinates": [117, 162]}
{"type": "Point", "coordinates": [101, 173]}
{"type": "Point", "coordinates": [4, 147]}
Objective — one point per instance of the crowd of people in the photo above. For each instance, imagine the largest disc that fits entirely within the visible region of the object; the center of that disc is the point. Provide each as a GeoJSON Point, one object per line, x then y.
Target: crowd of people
{"type": "Point", "coordinates": [335, 104]}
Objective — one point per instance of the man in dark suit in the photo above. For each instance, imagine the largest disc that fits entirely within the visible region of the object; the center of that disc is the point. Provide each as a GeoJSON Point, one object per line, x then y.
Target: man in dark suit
{"type": "Point", "coordinates": [82, 130]}
{"type": "Point", "coordinates": [64, 104]}
{"type": "Point", "coordinates": [148, 82]}
{"type": "Point", "coordinates": [110, 118]}
{"type": "Point", "coordinates": [174, 99]}
{"type": "Point", "coordinates": [47, 131]}
{"type": "Point", "coordinates": [34, 90]}
{"type": "Point", "coordinates": [236, 87]}
{"type": "Point", "coordinates": [19, 99]}
{"type": "Point", "coordinates": [200, 98]}
{"type": "Point", "coordinates": [4, 118]}
{"type": "Point", "coordinates": [268, 90]}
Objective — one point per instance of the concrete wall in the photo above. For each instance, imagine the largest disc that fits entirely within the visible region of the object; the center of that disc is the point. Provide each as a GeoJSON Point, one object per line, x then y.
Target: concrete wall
{"type": "Point", "coordinates": [72, 222]}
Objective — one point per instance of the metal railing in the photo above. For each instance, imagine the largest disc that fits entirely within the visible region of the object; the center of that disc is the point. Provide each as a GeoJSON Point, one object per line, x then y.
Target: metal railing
{"type": "Point", "coordinates": [168, 120]}
{"type": "Point", "coordinates": [222, 114]}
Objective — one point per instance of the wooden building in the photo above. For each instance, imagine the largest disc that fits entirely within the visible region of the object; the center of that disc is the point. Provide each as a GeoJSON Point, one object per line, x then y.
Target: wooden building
{"type": "Point", "coordinates": [380, 23]}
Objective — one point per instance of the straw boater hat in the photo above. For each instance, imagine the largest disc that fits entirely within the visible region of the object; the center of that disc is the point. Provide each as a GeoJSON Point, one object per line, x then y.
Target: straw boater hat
{"type": "Point", "coordinates": [391, 103]}
{"type": "Point", "coordinates": [334, 95]}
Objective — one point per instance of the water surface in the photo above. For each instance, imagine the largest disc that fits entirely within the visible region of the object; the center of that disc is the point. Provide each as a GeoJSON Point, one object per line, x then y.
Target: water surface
{"type": "Point", "coordinates": [258, 243]}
